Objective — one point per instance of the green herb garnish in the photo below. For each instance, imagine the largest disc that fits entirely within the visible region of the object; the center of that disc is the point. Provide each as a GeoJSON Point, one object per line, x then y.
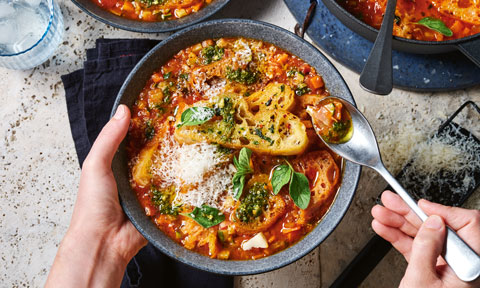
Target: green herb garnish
{"type": "Point", "coordinates": [340, 127]}
{"type": "Point", "coordinates": [152, 2]}
{"type": "Point", "coordinates": [243, 76]}
{"type": "Point", "coordinates": [299, 188]}
{"type": "Point", "coordinates": [206, 216]}
{"type": "Point", "coordinates": [259, 133]}
{"type": "Point", "coordinates": [149, 130]}
{"type": "Point", "coordinates": [166, 16]}
{"type": "Point", "coordinates": [211, 54]}
{"type": "Point", "coordinates": [243, 168]}
{"type": "Point", "coordinates": [167, 75]}
{"type": "Point", "coordinates": [302, 89]}
{"type": "Point", "coordinates": [436, 25]}
{"type": "Point", "coordinates": [253, 203]}
{"type": "Point", "coordinates": [271, 129]}
{"type": "Point", "coordinates": [163, 199]}
{"type": "Point", "coordinates": [223, 150]}
{"type": "Point", "coordinates": [183, 76]}
{"type": "Point", "coordinates": [166, 95]}
{"type": "Point", "coordinates": [227, 110]}
{"type": "Point", "coordinates": [281, 176]}
{"type": "Point", "coordinates": [291, 73]}
{"type": "Point", "coordinates": [196, 116]}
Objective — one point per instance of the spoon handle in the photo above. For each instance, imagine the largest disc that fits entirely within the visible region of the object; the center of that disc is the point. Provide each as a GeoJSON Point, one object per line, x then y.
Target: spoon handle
{"type": "Point", "coordinates": [459, 256]}
{"type": "Point", "coordinates": [377, 74]}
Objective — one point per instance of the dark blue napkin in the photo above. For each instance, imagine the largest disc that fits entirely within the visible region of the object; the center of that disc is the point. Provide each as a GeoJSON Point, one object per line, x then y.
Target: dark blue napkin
{"type": "Point", "coordinates": [90, 94]}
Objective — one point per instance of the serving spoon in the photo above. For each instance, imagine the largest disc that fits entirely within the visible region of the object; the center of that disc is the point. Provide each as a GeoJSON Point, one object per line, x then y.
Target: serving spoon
{"type": "Point", "coordinates": [362, 148]}
{"type": "Point", "coordinates": [377, 74]}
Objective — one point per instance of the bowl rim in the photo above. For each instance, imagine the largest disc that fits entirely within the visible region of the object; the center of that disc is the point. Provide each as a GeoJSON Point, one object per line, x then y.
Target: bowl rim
{"type": "Point", "coordinates": [337, 209]}
{"type": "Point", "coordinates": [152, 27]}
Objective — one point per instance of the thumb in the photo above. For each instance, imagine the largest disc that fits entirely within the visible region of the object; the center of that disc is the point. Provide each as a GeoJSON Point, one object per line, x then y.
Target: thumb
{"type": "Point", "coordinates": [426, 247]}
{"type": "Point", "coordinates": [107, 142]}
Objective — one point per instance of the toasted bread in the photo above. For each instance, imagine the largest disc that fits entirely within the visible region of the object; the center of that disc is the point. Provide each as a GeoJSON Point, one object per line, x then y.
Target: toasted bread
{"type": "Point", "coordinates": [275, 132]}
{"type": "Point", "coordinates": [275, 209]}
{"type": "Point", "coordinates": [273, 96]}
{"type": "Point", "coordinates": [141, 168]}
{"type": "Point", "coordinates": [320, 167]}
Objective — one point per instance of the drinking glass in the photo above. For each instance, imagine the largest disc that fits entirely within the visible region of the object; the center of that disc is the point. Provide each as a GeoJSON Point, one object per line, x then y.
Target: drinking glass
{"type": "Point", "coordinates": [30, 31]}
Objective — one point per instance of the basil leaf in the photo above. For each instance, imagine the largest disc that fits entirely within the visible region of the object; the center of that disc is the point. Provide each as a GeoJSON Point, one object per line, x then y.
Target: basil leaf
{"type": "Point", "coordinates": [300, 190]}
{"type": "Point", "coordinates": [243, 168]}
{"type": "Point", "coordinates": [436, 25]}
{"type": "Point", "coordinates": [196, 116]}
{"type": "Point", "coordinates": [238, 184]}
{"type": "Point", "coordinates": [235, 162]}
{"type": "Point", "coordinates": [244, 159]}
{"type": "Point", "coordinates": [206, 216]}
{"type": "Point", "coordinates": [281, 176]}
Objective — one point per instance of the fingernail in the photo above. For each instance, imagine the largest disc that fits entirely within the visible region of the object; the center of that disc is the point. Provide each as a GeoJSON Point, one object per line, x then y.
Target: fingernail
{"type": "Point", "coordinates": [120, 113]}
{"type": "Point", "coordinates": [434, 222]}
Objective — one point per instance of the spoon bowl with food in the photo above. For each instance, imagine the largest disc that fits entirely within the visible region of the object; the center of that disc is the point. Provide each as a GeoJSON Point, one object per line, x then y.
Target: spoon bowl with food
{"type": "Point", "coordinates": [347, 132]}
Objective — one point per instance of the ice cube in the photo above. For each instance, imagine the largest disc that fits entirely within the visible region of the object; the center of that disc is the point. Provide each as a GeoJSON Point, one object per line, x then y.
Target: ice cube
{"type": "Point", "coordinates": [31, 23]}
{"type": "Point", "coordinates": [6, 9]}
{"type": "Point", "coordinates": [8, 32]}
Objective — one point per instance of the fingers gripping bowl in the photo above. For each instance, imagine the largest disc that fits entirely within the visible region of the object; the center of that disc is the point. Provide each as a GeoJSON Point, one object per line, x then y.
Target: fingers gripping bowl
{"type": "Point", "coordinates": [232, 31]}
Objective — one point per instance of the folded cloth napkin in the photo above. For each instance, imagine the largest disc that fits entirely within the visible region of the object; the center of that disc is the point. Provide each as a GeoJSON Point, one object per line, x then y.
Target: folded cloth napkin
{"type": "Point", "coordinates": [90, 94]}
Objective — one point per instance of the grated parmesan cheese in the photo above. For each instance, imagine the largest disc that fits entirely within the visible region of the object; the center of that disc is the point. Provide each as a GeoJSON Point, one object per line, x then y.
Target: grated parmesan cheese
{"type": "Point", "coordinates": [212, 191]}
{"type": "Point", "coordinates": [194, 161]}
{"type": "Point", "coordinates": [437, 162]}
{"type": "Point", "coordinates": [199, 81]}
{"type": "Point", "coordinates": [199, 172]}
{"type": "Point", "coordinates": [397, 148]}
{"type": "Point", "coordinates": [207, 88]}
{"type": "Point", "coordinates": [243, 53]}
{"type": "Point", "coordinates": [216, 88]}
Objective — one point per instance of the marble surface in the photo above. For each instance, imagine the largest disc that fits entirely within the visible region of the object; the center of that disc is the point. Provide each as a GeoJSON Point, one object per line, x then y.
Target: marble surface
{"type": "Point", "coordinates": [39, 171]}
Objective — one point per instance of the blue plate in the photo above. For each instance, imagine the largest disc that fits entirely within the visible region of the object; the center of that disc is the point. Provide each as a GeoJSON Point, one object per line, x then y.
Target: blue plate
{"type": "Point", "coordinates": [429, 73]}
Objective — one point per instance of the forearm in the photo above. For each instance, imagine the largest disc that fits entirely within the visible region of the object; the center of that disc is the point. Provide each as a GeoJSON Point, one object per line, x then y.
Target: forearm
{"type": "Point", "coordinates": [86, 261]}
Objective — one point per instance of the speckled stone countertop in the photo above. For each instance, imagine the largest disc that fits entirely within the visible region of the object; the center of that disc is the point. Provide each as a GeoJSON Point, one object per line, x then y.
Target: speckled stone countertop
{"type": "Point", "coordinates": [39, 171]}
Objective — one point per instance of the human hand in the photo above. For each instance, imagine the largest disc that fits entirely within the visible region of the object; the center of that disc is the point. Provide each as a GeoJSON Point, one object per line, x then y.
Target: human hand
{"type": "Point", "coordinates": [100, 240]}
{"type": "Point", "coordinates": [422, 244]}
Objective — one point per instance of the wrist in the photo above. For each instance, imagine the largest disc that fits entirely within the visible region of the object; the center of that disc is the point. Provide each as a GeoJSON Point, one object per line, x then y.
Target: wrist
{"type": "Point", "coordinates": [96, 245]}
{"type": "Point", "coordinates": [88, 259]}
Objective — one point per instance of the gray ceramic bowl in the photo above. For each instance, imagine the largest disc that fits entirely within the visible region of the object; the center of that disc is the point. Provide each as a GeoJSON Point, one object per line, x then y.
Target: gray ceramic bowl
{"type": "Point", "coordinates": [106, 17]}
{"type": "Point", "coordinates": [135, 83]}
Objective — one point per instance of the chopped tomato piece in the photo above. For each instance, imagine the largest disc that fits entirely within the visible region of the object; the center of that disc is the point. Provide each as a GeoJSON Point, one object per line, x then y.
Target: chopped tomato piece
{"type": "Point", "coordinates": [316, 82]}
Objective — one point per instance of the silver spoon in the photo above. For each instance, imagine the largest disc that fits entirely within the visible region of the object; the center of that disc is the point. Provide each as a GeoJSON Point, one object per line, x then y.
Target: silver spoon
{"type": "Point", "coordinates": [362, 148]}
